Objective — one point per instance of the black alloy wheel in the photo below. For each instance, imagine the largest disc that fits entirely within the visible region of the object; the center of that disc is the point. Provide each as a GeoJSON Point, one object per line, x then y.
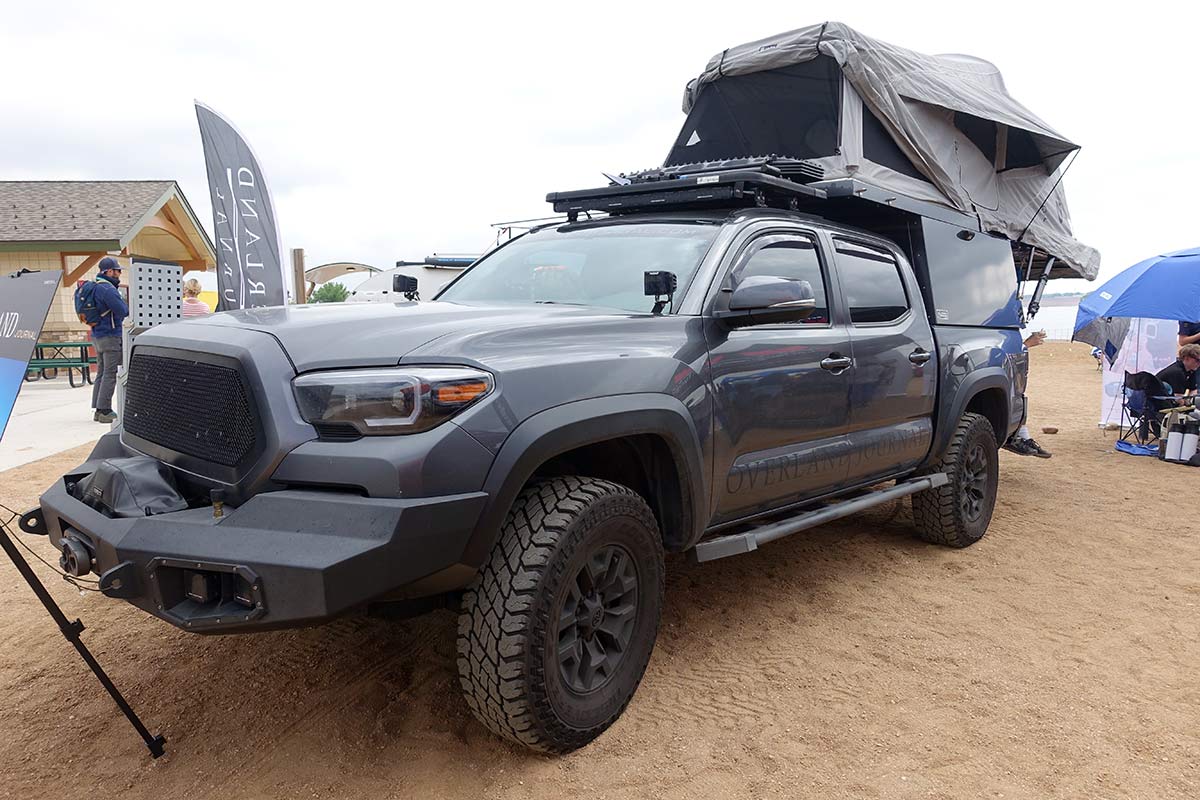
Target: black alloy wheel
{"type": "Point", "coordinates": [974, 478]}
{"type": "Point", "coordinates": [596, 619]}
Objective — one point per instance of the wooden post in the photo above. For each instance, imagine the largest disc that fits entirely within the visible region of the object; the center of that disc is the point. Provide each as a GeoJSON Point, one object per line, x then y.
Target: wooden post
{"type": "Point", "coordinates": [300, 291]}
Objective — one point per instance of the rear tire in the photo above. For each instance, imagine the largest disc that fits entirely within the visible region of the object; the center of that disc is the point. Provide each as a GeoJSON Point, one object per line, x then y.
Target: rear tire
{"type": "Point", "coordinates": [556, 631]}
{"type": "Point", "coordinates": [957, 514]}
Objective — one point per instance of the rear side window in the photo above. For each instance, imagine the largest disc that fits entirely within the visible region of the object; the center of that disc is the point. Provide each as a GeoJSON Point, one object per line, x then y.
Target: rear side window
{"type": "Point", "coordinates": [791, 257]}
{"type": "Point", "coordinates": [871, 282]}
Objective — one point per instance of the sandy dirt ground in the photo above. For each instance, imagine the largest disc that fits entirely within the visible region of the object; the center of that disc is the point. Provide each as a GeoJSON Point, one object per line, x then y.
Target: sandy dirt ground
{"type": "Point", "coordinates": [1056, 658]}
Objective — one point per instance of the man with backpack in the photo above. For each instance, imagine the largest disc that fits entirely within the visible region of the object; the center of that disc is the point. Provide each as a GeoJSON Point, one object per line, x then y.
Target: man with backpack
{"type": "Point", "coordinates": [99, 305]}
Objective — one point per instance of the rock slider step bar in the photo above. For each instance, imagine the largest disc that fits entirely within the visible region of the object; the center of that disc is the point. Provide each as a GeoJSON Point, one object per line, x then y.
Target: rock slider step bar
{"type": "Point", "coordinates": [737, 543]}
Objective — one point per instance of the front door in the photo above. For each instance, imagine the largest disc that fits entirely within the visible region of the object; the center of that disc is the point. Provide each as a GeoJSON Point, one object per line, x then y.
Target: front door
{"type": "Point", "coordinates": [781, 390]}
{"type": "Point", "coordinates": [894, 381]}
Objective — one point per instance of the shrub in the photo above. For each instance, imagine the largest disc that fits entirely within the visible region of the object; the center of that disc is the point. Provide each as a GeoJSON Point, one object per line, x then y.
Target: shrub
{"type": "Point", "coordinates": [329, 293]}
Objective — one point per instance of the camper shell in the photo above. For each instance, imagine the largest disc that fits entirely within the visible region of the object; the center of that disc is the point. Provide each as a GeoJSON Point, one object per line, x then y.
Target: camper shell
{"type": "Point", "coordinates": [967, 275]}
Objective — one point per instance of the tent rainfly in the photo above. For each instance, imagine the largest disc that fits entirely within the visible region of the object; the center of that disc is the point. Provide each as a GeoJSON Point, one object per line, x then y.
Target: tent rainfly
{"type": "Point", "coordinates": [937, 128]}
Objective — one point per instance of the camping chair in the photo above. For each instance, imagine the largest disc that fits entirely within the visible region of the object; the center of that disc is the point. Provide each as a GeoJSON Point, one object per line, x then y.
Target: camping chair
{"type": "Point", "coordinates": [1143, 395]}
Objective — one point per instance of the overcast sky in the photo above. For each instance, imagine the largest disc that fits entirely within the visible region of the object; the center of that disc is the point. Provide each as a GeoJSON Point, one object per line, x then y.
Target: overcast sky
{"type": "Point", "coordinates": [392, 132]}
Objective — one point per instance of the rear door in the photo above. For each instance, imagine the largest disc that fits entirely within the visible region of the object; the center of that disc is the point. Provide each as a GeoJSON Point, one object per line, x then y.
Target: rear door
{"type": "Point", "coordinates": [780, 394]}
{"type": "Point", "coordinates": [893, 387]}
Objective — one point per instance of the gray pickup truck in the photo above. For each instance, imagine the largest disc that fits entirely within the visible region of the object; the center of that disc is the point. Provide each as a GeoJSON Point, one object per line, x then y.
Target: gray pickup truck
{"type": "Point", "coordinates": [529, 445]}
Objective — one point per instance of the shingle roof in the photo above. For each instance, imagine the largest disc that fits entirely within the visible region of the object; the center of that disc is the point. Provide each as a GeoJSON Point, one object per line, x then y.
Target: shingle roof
{"type": "Point", "coordinates": [69, 211]}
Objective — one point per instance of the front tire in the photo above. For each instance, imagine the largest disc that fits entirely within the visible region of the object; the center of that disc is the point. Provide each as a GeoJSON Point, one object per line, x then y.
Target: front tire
{"type": "Point", "coordinates": [556, 631]}
{"type": "Point", "coordinates": [958, 514]}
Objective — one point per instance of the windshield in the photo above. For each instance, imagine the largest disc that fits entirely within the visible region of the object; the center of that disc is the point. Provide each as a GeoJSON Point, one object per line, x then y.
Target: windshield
{"type": "Point", "coordinates": [599, 266]}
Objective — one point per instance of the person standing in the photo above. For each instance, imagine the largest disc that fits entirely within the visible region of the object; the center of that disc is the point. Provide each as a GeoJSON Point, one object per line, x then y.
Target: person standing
{"type": "Point", "coordinates": [193, 306]}
{"type": "Point", "coordinates": [1189, 333]}
{"type": "Point", "coordinates": [106, 337]}
{"type": "Point", "coordinates": [1022, 442]}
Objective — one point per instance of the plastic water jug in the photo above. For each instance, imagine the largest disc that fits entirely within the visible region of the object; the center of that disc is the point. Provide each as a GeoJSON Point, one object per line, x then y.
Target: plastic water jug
{"type": "Point", "coordinates": [1191, 438]}
{"type": "Point", "coordinates": [1174, 442]}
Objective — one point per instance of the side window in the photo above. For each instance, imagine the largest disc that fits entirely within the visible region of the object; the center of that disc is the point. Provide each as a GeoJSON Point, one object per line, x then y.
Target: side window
{"type": "Point", "coordinates": [871, 283]}
{"type": "Point", "coordinates": [791, 257]}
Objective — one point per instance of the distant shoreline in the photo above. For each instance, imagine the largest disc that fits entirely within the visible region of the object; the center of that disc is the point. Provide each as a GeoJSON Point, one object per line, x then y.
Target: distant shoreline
{"type": "Point", "coordinates": [1063, 301]}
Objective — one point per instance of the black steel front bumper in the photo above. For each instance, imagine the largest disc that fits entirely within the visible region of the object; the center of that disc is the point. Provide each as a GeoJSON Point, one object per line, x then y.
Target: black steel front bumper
{"type": "Point", "coordinates": [281, 559]}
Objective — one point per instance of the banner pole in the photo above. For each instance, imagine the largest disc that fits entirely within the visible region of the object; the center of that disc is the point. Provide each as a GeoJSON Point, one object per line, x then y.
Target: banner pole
{"type": "Point", "coordinates": [300, 290]}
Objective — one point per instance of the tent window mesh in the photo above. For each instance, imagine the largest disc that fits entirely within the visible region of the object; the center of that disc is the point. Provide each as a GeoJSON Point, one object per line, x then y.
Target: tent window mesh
{"type": "Point", "coordinates": [981, 132]}
{"type": "Point", "coordinates": [881, 148]}
{"type": "Point", "coordinates": [791, 111]}
{"type": "Point", "coordinates": [1022, 151]}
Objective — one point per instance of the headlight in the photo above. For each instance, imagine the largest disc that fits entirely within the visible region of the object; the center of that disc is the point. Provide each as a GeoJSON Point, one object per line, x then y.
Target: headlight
{"type": "Point", "coordinates": [387, 401]}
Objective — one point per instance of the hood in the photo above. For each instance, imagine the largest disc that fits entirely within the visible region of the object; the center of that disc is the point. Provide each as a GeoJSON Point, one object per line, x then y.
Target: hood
{"type": "Point", "coordinates": [329, 335]}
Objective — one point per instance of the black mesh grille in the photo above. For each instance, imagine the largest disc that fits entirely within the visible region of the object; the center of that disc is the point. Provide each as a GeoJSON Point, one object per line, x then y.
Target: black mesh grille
{"type": "Point", "coordinates": [198, 409]}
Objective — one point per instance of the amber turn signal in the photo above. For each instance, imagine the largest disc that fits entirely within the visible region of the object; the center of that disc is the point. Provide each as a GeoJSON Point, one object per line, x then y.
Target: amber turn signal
{"type": "Point", "coordinates": [458, 393]}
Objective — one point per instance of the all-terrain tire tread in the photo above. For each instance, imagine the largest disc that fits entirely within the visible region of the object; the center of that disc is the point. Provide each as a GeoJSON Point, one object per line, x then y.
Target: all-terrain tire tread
{"type": "Point", "coordinates": [497, 629]}
{"type": "Point", "coordinates": [936, 512]}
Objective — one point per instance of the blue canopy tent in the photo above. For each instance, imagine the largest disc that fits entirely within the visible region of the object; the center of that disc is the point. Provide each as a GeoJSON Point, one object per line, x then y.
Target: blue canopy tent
{"type": "Point", "coordinates": [1162, 287]}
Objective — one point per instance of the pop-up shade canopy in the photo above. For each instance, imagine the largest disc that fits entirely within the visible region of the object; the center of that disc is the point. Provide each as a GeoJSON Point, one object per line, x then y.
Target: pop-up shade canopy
{"type": "Point", "coordinates": [937, 128]}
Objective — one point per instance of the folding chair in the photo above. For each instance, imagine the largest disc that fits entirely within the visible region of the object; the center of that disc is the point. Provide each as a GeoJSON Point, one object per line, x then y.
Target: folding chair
{"type": "Point", "coordinates": [1143, 395]}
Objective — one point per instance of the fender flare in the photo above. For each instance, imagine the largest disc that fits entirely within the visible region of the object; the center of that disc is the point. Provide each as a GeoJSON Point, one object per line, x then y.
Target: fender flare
{"type": "Point", "coordinates": [978, 381]}
{"type": "Point", "coordinates": [566, 427]}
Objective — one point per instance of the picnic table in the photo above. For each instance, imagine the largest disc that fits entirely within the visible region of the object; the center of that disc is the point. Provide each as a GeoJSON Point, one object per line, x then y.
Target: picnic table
{"type": "Point", "coordinates": [50, 357]}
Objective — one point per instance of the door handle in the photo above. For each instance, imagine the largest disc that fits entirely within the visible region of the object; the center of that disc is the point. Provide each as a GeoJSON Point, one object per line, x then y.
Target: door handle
{"type": "Point", "coordinates": [919, 356]}
{"type": "Point", "coordinates": [836, 363]}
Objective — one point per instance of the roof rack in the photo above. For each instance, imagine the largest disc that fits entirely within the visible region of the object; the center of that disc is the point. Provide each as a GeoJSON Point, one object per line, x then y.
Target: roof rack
{"type": "Point", "coordinates": [758, 181]}
{"type": "Point", "coordinates": [795, 169]}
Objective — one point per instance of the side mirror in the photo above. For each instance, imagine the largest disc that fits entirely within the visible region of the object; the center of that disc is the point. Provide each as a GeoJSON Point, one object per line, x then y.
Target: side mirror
{"type": "Point", "coordinates": [763, 299]}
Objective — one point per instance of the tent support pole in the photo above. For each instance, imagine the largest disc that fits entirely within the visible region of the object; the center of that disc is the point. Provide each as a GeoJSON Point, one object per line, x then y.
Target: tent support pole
{"type": "Point", "coordinates": [1035, 302]}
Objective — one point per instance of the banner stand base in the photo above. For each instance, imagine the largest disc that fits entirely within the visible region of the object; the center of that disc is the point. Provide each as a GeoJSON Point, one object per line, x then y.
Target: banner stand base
{"type": "Point", "coordinates": [71, 630]}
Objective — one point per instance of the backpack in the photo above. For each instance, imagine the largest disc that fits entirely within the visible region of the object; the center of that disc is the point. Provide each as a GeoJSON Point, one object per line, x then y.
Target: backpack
{"type": "Point", "coordinates": [85, 304]}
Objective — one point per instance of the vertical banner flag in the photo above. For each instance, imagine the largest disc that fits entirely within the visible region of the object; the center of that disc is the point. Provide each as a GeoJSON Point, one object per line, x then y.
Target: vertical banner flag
{"type": "Point", "coordinates": [24, 302]}
{"type": "Point", "coordinates": [249, 267]}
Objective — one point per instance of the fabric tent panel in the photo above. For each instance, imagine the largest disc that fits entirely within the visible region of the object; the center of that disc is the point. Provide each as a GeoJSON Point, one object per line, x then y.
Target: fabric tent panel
{"type": "Point", "coordinates": [992, 106]}
{"type": "Point", "coordinates": [853, 122]}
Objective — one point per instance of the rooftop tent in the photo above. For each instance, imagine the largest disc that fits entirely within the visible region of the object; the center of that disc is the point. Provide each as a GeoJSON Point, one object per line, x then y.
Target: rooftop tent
{"type": "Point", "coordinates": [937, 128]}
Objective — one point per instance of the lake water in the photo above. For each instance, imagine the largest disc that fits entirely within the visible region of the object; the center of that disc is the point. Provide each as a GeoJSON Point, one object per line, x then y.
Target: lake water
{"type": "Point", "coordinates": [1057, 321]}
